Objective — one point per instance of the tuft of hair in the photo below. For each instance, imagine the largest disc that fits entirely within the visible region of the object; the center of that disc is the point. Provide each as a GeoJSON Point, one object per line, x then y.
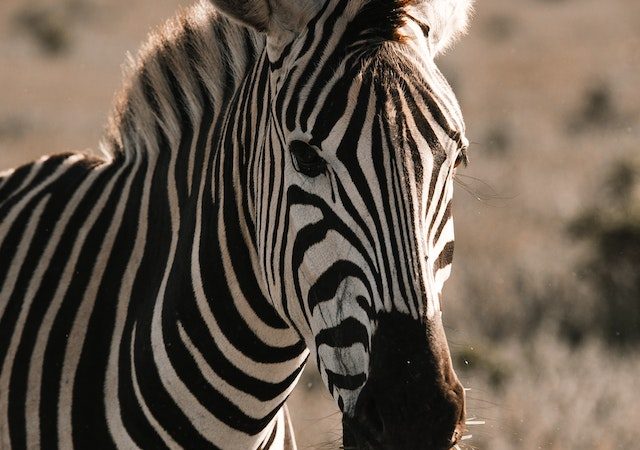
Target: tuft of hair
{"type": "Point", "coordinates": [381, 20]}
{"type": "Point", "coordinates": [446, 20]}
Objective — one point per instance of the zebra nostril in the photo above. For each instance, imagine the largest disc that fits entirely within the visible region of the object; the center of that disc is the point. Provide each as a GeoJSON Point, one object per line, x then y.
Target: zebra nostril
{"type": "Point", "coordinates": [373, 417]}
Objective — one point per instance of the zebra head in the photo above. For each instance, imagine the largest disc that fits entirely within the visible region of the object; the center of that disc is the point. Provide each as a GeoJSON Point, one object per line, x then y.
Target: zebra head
{"type": "Point", "coordinates": [352, 181]}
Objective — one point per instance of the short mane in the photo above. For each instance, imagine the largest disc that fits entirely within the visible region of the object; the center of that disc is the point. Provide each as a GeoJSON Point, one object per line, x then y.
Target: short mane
{"type": "Point", "coordinates": [198, 55]}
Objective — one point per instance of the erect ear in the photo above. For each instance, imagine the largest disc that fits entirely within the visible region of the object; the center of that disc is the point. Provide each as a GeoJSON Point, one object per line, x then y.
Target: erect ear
{"type": "Point", "coordinates": [447, 20]}
{"type": "Point", "coordinates": [254, 13]}
{"type": "Point", "coordinates": [270, 16]}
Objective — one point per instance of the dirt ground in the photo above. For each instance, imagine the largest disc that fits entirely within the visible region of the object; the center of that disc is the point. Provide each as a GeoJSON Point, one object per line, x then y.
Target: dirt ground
{"type": "Point", "coordinates": [551, 97]}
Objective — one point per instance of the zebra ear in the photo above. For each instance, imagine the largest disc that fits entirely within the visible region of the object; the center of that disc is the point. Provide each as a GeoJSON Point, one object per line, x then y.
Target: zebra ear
{"type": "Point", "coordinates": [270, 16]}
{"type": "Point", "coordinates": [447, 19]}
{"type": "Point", "coordinates": [254, 13]}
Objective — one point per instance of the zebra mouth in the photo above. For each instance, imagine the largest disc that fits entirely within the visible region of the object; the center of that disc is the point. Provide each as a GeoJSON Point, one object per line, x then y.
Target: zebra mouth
{"type": "Point", "coordinates": [356, 437]}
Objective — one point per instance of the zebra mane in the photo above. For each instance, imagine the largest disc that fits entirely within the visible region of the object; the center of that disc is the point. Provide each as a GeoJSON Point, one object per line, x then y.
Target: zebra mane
{"type": "Point", "coordinates": [198, 55]}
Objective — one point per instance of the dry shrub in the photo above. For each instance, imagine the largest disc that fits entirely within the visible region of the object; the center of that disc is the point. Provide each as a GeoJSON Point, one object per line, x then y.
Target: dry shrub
{"type": "Point", "coordinates": [611, 227]}
{"type": "Point", "coordinates": [500, 27]}
{"type": "Point", "coordinates": [599, 110]}
{"type": "Point", "coordinates": [518, 304]}
{"type": "Point", "coordinates": [499, 140]}
{"type": "Point", "coordinates": [46, 27]}
{"type": "Point", "coordinates": [550, 357]}
{"type": "Point", "coordinates": [598, 297]}
{"type": "Point", "coordinates": [556, 397]}
{"type": "Point", "coordinates": [51, 26]}
{"type": "Point", "coordinates": [12, 128]}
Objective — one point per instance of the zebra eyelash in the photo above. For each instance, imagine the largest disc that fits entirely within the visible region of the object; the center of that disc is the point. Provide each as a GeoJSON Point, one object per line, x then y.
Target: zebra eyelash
{"type": "Point", "coordinates": [461, 159]}
{"type": "Point", "coordinates": [306, 159]}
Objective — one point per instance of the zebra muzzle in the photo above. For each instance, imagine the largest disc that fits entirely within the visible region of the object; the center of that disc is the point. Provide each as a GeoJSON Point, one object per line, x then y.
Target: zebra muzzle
{"type": "Point", "coordinates": [412, 398]}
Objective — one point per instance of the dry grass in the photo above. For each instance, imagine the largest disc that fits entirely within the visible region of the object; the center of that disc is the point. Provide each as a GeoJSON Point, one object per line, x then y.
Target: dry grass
{"type": "Point", "coordinates": [550, 92]}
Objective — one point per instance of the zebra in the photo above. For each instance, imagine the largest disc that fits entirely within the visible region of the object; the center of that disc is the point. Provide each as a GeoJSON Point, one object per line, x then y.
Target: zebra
{"type": "Point", "coordinates": [275, 184]}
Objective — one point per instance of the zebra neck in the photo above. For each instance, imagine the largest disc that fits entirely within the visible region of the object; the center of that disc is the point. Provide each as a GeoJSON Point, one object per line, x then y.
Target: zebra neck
{"type": "Point", "coordinates": [220, 354]}
{"type": "Point", "coordinates": [214, 326]}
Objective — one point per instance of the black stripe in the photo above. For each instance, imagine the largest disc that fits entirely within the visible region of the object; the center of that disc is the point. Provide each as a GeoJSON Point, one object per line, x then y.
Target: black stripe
{"type": "Point", "coordinates": [445, 257]}
{"type": "Point", "coordinates": [445, 218]}
{"type": "Point", "coordinates": [272, 437]}
{"type": "Point", "coordinates": [347, 333]}
{"type": "Point", "coordinates": [10, 183]}
{"type": "Point", "coordinates": [187, 131]}
{"type": "Point", "coordinates": [340, 381]}
{"type": "Point", "coordinates": [326, 286]}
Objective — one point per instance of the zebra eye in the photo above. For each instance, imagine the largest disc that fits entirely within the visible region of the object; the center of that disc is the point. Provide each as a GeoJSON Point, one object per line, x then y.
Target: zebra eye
{"type": "Point", "coordinates": [306, 159]}
{"type": "Point", "coordinates": [461, 159]}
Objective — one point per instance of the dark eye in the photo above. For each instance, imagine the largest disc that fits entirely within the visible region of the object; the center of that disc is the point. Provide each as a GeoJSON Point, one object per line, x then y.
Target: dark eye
{"type": "Point", "coordinates": [306, 159]}
{"type": "Point", "coordinates": [461, 159]}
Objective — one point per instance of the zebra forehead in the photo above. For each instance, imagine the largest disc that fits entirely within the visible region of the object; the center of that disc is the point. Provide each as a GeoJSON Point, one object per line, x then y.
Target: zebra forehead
{"type": "Point", "coordinates": [383, 19]}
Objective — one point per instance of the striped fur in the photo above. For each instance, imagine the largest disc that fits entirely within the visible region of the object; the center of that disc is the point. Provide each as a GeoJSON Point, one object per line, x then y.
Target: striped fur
{"type": "Point", "coordinates": [167, 295]}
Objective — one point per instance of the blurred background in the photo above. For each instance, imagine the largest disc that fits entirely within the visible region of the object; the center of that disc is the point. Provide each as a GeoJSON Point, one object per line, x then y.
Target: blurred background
{"type": "Point", "coordinates": [543, 307]}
